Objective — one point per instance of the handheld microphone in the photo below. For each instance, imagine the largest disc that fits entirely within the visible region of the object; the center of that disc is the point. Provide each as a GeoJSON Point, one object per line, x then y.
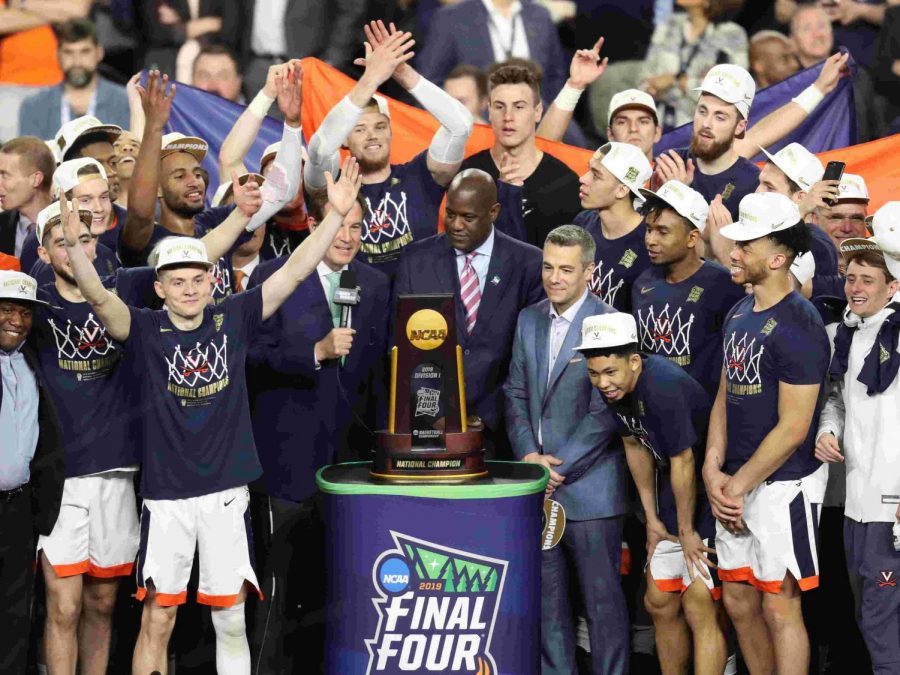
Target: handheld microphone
{"type": "Point", "coordinates": [347, 296]}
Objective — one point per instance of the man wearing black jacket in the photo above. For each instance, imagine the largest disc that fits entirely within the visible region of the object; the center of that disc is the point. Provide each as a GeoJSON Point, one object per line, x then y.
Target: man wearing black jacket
{"type": "Point", "coordinates": [31, 465]}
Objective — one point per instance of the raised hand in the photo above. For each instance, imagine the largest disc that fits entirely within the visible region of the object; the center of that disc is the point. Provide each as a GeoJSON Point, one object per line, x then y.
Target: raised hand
{"type": "Point", "coordinates": [289, 91]}
{"type": "Point", "coordinates": [247, 197]}
{"type": "Point", "coordinates": [157, 104]}
{"type": "Point", "coordinates": [385, 54]}
{"type": "Point", "coordinates": [70, 219]}
{"type": "Point", "coordinates": [587, 66]}
{"type": "Point", "coordinates": [817, 196]}
{"type": "Point", "coordinates": [510, 170]}
{"type": "Point", "coordinates": [376, 35]}
{"type": "Point", "coordinates": [670, 166]}
{"type": "Point", "coordinates": [834, 68]}
{"type": "Point", "coordinates": [342, 193]}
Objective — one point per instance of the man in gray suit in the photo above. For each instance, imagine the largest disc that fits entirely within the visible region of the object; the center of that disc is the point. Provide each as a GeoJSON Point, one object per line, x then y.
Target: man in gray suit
{"type": "Point", "coordinates": [555, 419]}
{"type": "Point", "coordinates": [82, 91]}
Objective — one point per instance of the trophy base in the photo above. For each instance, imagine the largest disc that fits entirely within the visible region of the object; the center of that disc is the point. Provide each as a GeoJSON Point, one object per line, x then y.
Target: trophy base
{"type": "Point", "coordinates": [397, 462]}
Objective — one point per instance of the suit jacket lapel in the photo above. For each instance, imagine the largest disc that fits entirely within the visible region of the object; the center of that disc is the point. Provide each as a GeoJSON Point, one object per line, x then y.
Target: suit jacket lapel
{"type": "Point", "coordinates": [572, 340]}
{"type": "Point", "coordinates": [542, 345]}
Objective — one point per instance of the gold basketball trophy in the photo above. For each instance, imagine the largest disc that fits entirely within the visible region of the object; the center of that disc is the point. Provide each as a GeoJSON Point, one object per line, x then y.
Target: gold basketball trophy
{"type": "Point", "coordinates": [429, 438]}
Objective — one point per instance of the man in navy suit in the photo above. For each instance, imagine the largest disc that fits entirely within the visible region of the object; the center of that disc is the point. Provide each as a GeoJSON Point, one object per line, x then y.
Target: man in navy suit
{"type": "Point", "coordinates": [310, 380]}
{"type": "Point", "coordinates": [493, 277]}
{"type": "Point", "coordinates": [555, 419]}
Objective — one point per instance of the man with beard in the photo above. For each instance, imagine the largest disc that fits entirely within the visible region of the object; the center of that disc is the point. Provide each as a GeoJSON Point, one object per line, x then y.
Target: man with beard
{"type": "Point", "coordinates": [170, 167]}
{"type": "Point", "coordinates": [287, 228]}
{"type": "Point", "coordinates": [82, 91]}
{"type": "Point", "coordinates": [26, 174]}
{"type": "Point", "coordinates": [609, 188]}
{"type": "Point", "coordinates": [763, 481]}
{"type": "Point", "coordinates": [402, 199]}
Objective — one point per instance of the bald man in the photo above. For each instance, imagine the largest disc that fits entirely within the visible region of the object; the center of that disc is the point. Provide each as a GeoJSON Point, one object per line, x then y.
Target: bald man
{"type": "Point", "coordinates": [493, 277]}
{"type": "Point", "coordinates": [772, 58]}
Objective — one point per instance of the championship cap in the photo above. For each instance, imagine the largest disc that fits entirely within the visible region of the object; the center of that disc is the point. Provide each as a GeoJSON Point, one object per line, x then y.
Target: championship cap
{"type": "Point", "coordinates": [886, 226]}
{"type": "Point", "coordinates": [761, 214]}
{"type": "Point", "coordinates": [18, 286]}
{"type": "Point", "coordinates": [852, 188]}
{"type": "Point", "coordinates": [732, 84]}
{"type": "Point", "coordinates": [224, 191]}
{"type": "Point", "coordinates": [181, 252]}
{"type": "Point", "coordinates": [269, 153]}
{"type": "Point", "coordinates": [631, 98]}
{"type": "Point", "coordinates": [382, 104]}
{"type": "Point", "coordinates": [77, 171]}
{"type": "Point", "coordinates": [686, 201]}
{"type": "Point", "coordinates": [176, 142]}
{"type": "Point", "coordinates": [50, 216]}
{"type": "Point", "coordinates": [607, 330]}
{"type": "Point", "coordinates": [804, 267]}
{"type": "Point", "coordinates": [798, 164]}
{"type": "Point", "coordinates": [627, 163]}
{"type": "Point", "coordinates": [72, 130]}
{"type": "Point", "coordinates": [54, 150]}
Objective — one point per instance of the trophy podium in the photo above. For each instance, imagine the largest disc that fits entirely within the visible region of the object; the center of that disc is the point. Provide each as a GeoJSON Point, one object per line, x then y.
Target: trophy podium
{"type": "Point", "coordinates": [429, 438]}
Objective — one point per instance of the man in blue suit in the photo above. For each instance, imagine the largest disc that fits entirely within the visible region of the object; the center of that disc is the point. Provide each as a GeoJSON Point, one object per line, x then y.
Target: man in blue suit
{"type": "Point", "coordinates": [554, 418]}
{"type": "Point", "coordinates": [310, 380]}
{"type": "Point", "coordinates": [481, 33]}
{"type": "Point", "coordinates": [82, 91]}
{"type": "Point", "coordinates": [493, 277]}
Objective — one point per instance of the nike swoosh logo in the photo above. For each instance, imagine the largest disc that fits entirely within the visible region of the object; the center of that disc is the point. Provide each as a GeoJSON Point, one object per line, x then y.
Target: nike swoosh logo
{"type": "Point", "coordinates": [647, 290]}
{"type": "Point", "coordinates": [165, 330]}
{"type": "Point", "coordinates": [230, 500]}
{"type": "Point", "coordinates": [734, 316]}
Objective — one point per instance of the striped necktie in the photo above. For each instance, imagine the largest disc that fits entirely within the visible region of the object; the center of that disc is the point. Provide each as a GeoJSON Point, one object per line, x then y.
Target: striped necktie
{"type": "Point", "coordinates": [469, 291]}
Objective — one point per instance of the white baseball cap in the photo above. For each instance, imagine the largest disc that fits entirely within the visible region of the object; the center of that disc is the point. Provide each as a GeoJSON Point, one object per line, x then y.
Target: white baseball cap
{"type": "Point", "coordinates": [627, 163]}
{"type": "Point", "coordinates": [54, 150]}
{"type": "Point", "coordinates": [269, 153]}
{"type": "Point", "coordinates": [798, 164]}
{"type": "Point", "coordinates": [732, 84]}
{"type": "Point", "coordinates": [686, 201]}
{"type": "Point", "coordinates": [382, 104]}
{"type": "Point", "coordinates": [176, 142]}
{"type": "Point", "coordinates": [631, 98]}
{"type": "Point", "coordinates": [18, 286]}
{"type": "Point", "coordinates": [607, 330]}
{"type": "Point", "coordinates": [181, 252]}
{"type": "Point", "coordinates": [804, 267]}
{"type": "Point", "coordinates": [50, 216]}
{"type": "Point", "coordinates": [72, 130]}
{"type": "Point", "coordinates": [225, 189]}
{"type": "Point", "coordinates": [761, 214]}
{"type": "Point", "coordinates": [886, 227]}
{"type": "Point", "coordinates": [77, 171]}
{"type": "Point", "coordinates": [852, 188]}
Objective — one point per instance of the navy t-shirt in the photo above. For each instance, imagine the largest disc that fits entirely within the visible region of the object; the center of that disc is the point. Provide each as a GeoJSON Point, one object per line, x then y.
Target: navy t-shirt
{"type": "Point", "coordinates": [197, 433]}
{"type": "Point", "coordinates": [735, 183]}
{"type": "Point", "coordinates": [105, 263]}
{"type": "Point", "coordinates": [668, 412]}
{"type": "Point", "coordinates": [683, 321]}
{"type": "Point", "coordinates": [95, 400]}
{"type": "Point", "coordinates": [400, 210]}
{"type": "Point", "coordinates": [785, 343]}
{"type": "Point", "coordinates": [618, 261]}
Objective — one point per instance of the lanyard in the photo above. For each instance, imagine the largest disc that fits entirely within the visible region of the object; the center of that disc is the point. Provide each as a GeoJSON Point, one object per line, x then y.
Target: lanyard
{"type": "Point", "coordinates": [506, 49]}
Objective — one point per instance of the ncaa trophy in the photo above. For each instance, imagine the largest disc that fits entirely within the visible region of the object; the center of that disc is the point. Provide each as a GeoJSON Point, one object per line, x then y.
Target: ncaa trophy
{"type": "Point", "coordinates": [429, 438]}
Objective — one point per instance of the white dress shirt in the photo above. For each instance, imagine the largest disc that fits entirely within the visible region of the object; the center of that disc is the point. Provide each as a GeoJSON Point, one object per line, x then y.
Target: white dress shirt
{"type": "Point", "coordinates": [267, 36]}
{"type": "Point", "coordinates": [508, 37]}
{"type": "Point", "coordinates": [247, 270]}
{"type": "Point", "coordinates": [18, 419]}
{"type": "Point", "coordinates": [480, 262]}
{"type": "Point", "coordinates": [22, 228]}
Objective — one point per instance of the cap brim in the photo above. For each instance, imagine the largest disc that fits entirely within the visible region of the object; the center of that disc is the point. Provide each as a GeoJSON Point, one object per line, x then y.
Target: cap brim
{"type": "Point", "coordinates": [632, 106]}
{"type": "Point", "coordinates": [185, 263]}
{"type": "Point", "coordinates": [854, 245]}
{"type": "Point", "coordinates": [738, 232]}
{"type": "Point", "coordinates": [192, 140]}
{"type": "Point", "coordinates": [110, 130]}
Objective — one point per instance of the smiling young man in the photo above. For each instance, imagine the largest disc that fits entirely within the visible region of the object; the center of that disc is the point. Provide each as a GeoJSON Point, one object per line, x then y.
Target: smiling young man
{"type": "Point", "coordinates": [402, 199]}
{"type": "Point", "coordinates": [198, 452]}
{"type": "Point", "coordinates": [861, 411]}
{"type": "Point", "coordinates": [609, 188]}
{"type": "Point", "coordinates": [661, 413]}
{"type": "Point", "coordinates": [763, 481]}
{"type": "Point", "coordinates": [681, 300]}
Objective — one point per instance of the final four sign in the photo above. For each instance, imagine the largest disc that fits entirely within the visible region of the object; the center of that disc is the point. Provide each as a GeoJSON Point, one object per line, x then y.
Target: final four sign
{"type": "Point", "coordinates": [436, 609]}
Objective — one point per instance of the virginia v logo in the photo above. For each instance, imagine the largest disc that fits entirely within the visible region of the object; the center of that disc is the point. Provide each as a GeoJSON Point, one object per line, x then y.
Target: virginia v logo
{"type": "Point", "coordinates": [436, 609]}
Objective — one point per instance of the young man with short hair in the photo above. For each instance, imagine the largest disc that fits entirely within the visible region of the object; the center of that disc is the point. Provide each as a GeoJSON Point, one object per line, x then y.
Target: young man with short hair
{"type": "Point", "coordinates": [403, 199]}
{"type": "Point", "coordinates": [615, 175]}
{"type": "Point", "coordinates": [198, 452]}
{"type": "Point", "coordinates": [763, 481]}
{"type": "Point", "coordinates": [661, 413]}
{"type": "Point", "coordinates": [680, 300]}
{"type": "Point", "coordinates": [861, 411]}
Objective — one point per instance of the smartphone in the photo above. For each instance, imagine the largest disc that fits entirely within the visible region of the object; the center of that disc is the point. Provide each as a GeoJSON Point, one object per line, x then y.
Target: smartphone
{"type": "Point", "coordinates": [833, 171]}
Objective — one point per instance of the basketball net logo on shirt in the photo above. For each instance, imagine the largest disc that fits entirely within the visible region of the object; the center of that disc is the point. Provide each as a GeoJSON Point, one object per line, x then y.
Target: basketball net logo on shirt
{"type": "Point", "coordinates": [603, 286]}
{"type": "Point", "coordinates": [742, 365]}
{"type": "Point", "coordinates": [385, 228]}
{"type": "Point", "coordinates": [199, 373]}
{"type": "Point", "coordinates": [636, 428]}
{"type": "Point", "coordinates": [84, 349]}
{"type": "Point", "coordinates": [665, 335]}
{"type": "Point", "coordinates": [221, 281]}
{"type": "Point", "coordinates": [280, 246]}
